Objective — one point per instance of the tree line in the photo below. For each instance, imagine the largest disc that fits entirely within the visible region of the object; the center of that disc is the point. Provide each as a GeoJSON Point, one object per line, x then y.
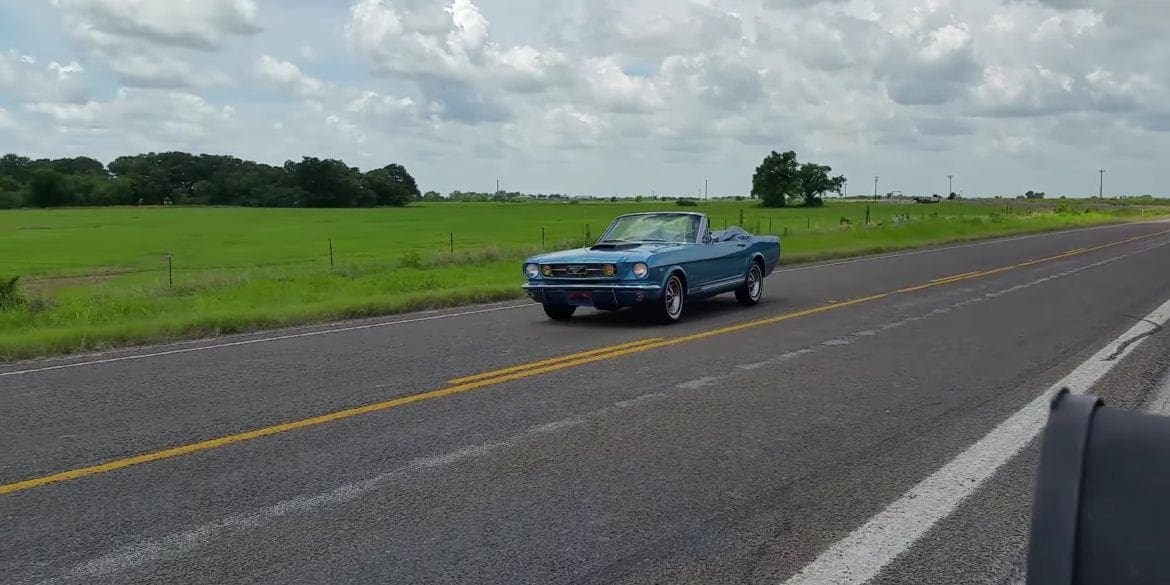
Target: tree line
{"type": "Point", "coordinates": [180, 178]}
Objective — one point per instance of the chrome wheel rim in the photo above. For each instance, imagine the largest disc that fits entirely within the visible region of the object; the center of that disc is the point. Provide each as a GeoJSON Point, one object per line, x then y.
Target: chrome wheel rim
{"type": "Point", "coordinates": [754, 284]}
{"type": "Point", "coordinates": [673, 297]}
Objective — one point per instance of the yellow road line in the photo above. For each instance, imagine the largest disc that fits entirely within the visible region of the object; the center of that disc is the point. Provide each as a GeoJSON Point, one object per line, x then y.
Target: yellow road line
{"type": "Point", "coordinates": [956, 276]}
{"type": "Point", "coordinates": [500, 372]}
{"type": "Point", "coordinates": [500, 376]}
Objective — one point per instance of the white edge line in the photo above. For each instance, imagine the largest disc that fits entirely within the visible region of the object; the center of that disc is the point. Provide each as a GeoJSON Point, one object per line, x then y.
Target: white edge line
{"type": "Point", "coordinates": [862, 554]}
{"type": "Point", "coordinates": [259, 340]}
{"type": "Point", "coordinates": [1160, 404]}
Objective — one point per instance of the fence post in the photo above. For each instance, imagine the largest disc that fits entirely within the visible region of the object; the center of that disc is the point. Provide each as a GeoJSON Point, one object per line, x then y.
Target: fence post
{"type": "Point", "coordinates": [786, 231]}
{"type": "Point", "coordinates": [330, 254]}
{"type": "Point", "coordinates": [452, 242]}
{"type": "Point", "coordinates": [542, 244]}
{"type": "Point", "coordinates": [808, 222]}
{"type": "Point", "coordinates": [170, 269]}
{"type": "Point", "coordinates": [741, 216]}
{"type": "Point", "coordinates": [866, 215]}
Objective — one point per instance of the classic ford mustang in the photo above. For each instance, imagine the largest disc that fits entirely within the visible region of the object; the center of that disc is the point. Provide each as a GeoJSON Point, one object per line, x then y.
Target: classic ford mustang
{"type": "Point", "coordinates": [654, 261]}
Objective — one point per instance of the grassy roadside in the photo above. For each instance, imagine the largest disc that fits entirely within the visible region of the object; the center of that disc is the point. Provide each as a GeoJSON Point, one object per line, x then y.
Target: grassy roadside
{"type": "Point", "coordinates": [93, 316]}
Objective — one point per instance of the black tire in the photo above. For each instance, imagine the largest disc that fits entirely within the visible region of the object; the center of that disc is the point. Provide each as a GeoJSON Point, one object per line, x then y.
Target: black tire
{"type": "Point", "coordinates": [669, 308]}
{"type": "Point", "coordinates": [753, 286]}
{"type": "Point", "coordinates": [560, 312]}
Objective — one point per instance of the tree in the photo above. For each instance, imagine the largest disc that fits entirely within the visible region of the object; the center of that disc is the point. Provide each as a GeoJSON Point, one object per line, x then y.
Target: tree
{"type": "Point", "coordinates": [392, 185]}
{"type": "Point", "coordinates": [46, 188]}
{"type": "Point", "coordinates": [1034, 195]}
{"type": "Point", "coordinates": [329, 183]}
{"type": "Point", "coordinates": [953, 196]}
{"type": "Point", "coordinates": [814, 182]}
{"type": "Point", "coordinates": [118, 191]}
{"type": "Point", "coordinates": [17, 167]}
{"type": "Point", "coordinates": [81, 165]}
{"type": "Point", "coordinates": [776, 179]}
{"type": "Point", "coordinates": [11, 196]}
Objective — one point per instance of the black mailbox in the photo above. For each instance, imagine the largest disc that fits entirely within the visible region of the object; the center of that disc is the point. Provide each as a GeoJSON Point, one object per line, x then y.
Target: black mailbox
{"type": "Point", "coordinates": [1101, 514]}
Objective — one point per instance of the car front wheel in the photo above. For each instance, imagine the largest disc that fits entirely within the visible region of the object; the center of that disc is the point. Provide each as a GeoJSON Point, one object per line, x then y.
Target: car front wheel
{"type": "Point", "coordinates": [559, 312]}
{"type": "Point", "coordinates": [753, 286]}
{"type": "Point", "coordinates": [669, 307]}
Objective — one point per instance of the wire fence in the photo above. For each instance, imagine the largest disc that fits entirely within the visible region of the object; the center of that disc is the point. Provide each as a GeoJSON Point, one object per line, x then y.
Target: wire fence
{"type": "Point", "coordinates": [452, 248]}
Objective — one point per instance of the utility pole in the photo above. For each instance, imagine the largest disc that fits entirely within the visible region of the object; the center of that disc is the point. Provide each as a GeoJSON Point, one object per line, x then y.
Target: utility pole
{"type": "Point", "coordinates": [1101, 188]}
{"type": "Point", "coordinates": [950, 185]}
{"type": "Point", "coordinates": [497, 186]}
{"type": "Point", "coordinates": [704, 189]}
{"type": "Point", "coordinates": [875, 183]}
{"type": "Point", "coordinates": [845, 186]}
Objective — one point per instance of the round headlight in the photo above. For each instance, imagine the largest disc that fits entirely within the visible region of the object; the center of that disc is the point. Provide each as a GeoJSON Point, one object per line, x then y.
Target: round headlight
{"type": "Point", "coordinates": [546, 270]}
{"type": "Point", "coordinates": [531, 270]}
{"type": "Point", "coordinates": [609, 270]}
{"type": "Point", "coordinates": [640, 270]}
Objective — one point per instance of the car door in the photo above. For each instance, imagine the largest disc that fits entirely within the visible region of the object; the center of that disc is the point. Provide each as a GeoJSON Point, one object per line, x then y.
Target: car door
{"type": "Point", "coordinates": [716, 263]}
{"type": "Point", "coordinates": [730, 259]}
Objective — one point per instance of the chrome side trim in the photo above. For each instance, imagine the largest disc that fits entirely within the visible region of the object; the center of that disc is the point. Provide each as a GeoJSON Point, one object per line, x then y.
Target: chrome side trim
{"type": "Point", "coordinates": [725, 283]}
{"type": "Point", "coordinates": [598, 286]}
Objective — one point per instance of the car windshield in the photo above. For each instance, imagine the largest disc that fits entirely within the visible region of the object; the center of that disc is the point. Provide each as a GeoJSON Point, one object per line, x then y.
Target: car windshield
{"type": "Point", "coordinates": [655, 227]}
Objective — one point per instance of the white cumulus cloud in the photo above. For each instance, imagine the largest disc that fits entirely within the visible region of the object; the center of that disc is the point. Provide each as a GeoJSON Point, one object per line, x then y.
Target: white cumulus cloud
{"type": "Point", "coordinates": [611, 95]}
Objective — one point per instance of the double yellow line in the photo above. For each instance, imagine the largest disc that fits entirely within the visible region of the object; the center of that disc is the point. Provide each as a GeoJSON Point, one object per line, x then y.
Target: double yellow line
{"type": "Point", "coordinates": [517, 372]}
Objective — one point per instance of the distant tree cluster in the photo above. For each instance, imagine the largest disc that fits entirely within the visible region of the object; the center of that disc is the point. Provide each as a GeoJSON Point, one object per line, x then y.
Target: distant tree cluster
{"type": "Point", "coordinates": [781, 180]}
{"type": "Point", "coordinates": [180, 178]}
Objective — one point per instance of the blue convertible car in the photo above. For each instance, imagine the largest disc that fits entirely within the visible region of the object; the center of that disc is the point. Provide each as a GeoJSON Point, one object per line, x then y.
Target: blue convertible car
{"type": "Point", "coordinates": [654, 261]}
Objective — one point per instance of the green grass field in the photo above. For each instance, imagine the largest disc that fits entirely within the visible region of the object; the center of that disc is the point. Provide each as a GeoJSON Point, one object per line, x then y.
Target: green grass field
{"type": "Point", "coordinates": [97, 278]}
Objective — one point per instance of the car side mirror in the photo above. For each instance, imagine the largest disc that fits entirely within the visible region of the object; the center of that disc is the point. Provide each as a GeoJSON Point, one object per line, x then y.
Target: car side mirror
{"type": "Point", "coordinates": [1100, 513]}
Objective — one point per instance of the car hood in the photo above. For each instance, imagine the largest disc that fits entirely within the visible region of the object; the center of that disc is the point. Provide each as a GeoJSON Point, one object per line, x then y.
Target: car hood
{"type": "Point", "coordinates": [605, 253]}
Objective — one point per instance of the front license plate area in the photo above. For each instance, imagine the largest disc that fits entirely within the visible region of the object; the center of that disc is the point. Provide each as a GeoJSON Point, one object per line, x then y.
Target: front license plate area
{"type": "Point", "coordinates": [580, 297]}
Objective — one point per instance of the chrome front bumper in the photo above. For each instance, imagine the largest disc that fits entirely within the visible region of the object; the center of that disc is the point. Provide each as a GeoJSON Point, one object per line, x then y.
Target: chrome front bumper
{"type": "Point", "coordinates": [599, 286]}
{"type": "Point", "coordinates": [603, 295]}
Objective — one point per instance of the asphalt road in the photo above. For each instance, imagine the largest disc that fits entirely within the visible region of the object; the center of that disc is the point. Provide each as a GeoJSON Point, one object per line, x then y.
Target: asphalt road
{"type": "Point", "coordinates": [736, 447]}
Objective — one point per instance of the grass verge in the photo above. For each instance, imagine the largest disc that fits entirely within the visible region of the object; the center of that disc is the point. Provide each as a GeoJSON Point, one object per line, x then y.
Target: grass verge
{"type": "Point", "coordinates": [108, 315]}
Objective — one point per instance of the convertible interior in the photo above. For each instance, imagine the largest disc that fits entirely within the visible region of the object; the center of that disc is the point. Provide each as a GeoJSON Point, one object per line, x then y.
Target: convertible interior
{"type": "Point", "coordinates": [732, 233]}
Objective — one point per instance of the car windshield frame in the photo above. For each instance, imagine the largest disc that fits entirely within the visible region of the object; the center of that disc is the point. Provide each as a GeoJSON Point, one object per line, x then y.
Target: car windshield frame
{"type": "Point", "coordinates": [664, 227]}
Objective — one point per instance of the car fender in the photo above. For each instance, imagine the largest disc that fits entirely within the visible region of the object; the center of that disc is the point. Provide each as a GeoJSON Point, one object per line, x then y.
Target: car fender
{"type": "Point", "coordinates": [757, 256]}
{"type": "Point", "coordinates": [668, 269]}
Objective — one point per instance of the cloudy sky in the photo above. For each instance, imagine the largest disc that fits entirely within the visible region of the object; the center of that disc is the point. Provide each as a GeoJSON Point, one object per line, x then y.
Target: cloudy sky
{"type": "Point", "coordinates": [608, 96]}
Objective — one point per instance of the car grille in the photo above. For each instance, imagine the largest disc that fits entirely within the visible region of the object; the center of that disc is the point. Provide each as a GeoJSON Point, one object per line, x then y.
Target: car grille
{"type": "Point", "coordinates": [577, 271]}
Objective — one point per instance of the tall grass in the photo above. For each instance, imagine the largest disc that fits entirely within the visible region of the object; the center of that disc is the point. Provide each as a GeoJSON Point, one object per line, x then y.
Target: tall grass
{"type": "Point", "coordinates": [239, 269]}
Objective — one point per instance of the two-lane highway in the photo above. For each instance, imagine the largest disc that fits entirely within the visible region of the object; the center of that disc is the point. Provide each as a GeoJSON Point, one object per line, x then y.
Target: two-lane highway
{"type": "Point", "coordinates": [491, 445]}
